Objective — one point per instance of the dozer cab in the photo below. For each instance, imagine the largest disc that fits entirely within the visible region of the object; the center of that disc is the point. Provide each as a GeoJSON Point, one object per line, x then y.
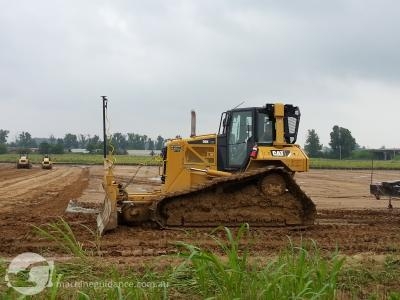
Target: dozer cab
{"type": "Point", "coordinates": [243, 174]}
{"type": "Point", "coordinates": [47, 162]}
{"type": "Point", "coordinates": [24, 162]}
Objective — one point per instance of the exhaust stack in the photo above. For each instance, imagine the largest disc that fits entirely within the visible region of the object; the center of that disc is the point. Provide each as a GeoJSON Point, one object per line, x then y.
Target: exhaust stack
{"type": "Point", "coordinates": [193, 124]}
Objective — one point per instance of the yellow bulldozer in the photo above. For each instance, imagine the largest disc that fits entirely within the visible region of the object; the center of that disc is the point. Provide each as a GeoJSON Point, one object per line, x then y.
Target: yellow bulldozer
{"type": "Point", "coordinates": [242, 174]}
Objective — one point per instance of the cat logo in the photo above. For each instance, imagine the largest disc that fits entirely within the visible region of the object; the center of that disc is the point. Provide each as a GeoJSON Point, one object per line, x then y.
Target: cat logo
{"type": "Point", "coordinates": [280, 153]}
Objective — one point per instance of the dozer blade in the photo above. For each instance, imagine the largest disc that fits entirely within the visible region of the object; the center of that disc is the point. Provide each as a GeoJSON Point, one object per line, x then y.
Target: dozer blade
{"type": "Point", "coordinates": [107, 219]}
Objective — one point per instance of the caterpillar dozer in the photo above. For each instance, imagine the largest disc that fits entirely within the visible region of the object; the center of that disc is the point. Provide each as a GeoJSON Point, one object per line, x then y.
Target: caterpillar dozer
{"type": "Point", "coordinates": [242, 174]}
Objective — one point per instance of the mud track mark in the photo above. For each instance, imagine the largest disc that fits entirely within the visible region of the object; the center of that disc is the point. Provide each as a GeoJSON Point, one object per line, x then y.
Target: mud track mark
{"type": "Point", "coordinates": [40, 200]}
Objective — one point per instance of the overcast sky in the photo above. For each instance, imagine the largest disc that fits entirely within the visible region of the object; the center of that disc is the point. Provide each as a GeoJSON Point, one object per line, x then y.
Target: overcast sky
{"type": "Point", "coordinates": [339, 61]}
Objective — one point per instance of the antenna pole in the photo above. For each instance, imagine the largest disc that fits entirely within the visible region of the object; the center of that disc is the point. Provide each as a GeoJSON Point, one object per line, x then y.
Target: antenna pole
{"type": "Point", "coordinates": [104, 126]}
{"type": "Point", "coordinates": [372, 166]}
{"type": "Point", "coordinates": [238, 105]}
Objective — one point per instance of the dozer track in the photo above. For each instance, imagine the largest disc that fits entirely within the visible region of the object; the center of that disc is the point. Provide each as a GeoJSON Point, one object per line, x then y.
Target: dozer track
{"type": "Point", "coordinates": [262, 198]}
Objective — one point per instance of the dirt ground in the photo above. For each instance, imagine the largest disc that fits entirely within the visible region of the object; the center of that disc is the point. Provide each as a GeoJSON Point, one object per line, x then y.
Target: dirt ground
{"type": "Point", "coordinates": [348, 216]}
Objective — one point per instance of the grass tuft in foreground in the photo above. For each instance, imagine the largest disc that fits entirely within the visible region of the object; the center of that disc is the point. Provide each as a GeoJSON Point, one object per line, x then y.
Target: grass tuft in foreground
{"type": "Point", "coordinates": [297, 273]}
{"type": "Point", "coordinates": [61, 233]}
{"type": "Point", "coordinates": [227, 272]}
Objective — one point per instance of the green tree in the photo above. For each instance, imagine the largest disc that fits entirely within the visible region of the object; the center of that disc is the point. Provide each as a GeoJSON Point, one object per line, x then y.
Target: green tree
{"type": "Point", "coordinates": [159, 143]}
{"type": "Point", "coordinates": [3, 149]}
{"type": "Point", "coordinates": [82, 140]}
{"type": "Point", "coordinates": [140, 142]}
{"type": "Point", "coordinates": [144, 140]}
{"type": "Point", "coordinates": [70, 141]}
{"type": "Point", "coordinates": [94, 144]}
{"type": "Point", "coordinates": [52, 139]}
{"type": "Point", "coordinates": [312, 145]}
{"type": "Point", "coordinates": [3, 136]}
{"type": "Point", "coordinates": [133, 141]}
{"type": "Point", "coordinates": [342, 142]}
{"type": "Point", "coordinates": [150, 144]}
{"type": "Point", "coordinates": [119, 143]}
{"type": "Point", "coordinates": [25, 140]}
{"type": "Point", "coordinates": [44, 148]}
{"type": "Point", "coordinates": [58, 147]}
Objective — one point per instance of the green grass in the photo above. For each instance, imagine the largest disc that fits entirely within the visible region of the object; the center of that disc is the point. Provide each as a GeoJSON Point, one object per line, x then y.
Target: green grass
{"type": "Point", "coordinates": [299, 272]}
{"type": "Point", "coordinates": [85, 159]}
{"type": "Point", "coordinates": [319, 163]}
{"type": "Point", "coordinates": [97, 159]}
{"type": "Point", "coordinates": [229, 272]}
{"type": "Point", "coordinates": [93, 159]}
{"type": "Point", "coordinates": [61, 233]}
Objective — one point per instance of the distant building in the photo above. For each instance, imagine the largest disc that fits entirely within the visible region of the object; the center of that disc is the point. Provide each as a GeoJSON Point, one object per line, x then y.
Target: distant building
{"type": "Point", "coordinates": [84, 151]}
{"type": "Point", "coordinates": [385, 154]}
{"type": "Point", "coordinates": [143, 152]}
{"type": "Point", "coordinates": [18, 149]}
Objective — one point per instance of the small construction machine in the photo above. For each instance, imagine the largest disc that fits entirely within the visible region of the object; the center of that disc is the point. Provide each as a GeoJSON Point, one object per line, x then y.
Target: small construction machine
{"type": "Point", "coordinates": [24, 162]}
{"type": "Point", "coordinates": [384, 188]}
{"type": "Point", "coordinates": [47, 162]}
{"type": "Point", "coordinates": [243, 174]}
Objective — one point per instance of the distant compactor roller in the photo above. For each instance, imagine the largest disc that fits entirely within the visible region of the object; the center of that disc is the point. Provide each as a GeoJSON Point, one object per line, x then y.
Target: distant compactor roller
{"type": "Point", "coordinates": [243, 174]}
{"type": "Point", "coordinates": [24, 162]}
{"type": "Point", "coordinates": [47, 162]}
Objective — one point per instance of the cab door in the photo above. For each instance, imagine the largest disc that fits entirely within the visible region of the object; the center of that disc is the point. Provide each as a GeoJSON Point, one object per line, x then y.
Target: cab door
{"type": "Point", "coordinates": [240, 138]}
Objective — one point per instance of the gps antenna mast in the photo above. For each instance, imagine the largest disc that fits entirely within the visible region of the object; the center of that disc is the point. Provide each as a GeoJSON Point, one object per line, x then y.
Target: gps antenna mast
{"type": "Point", "coordinates": [240, 104]}
{"type": "Point", "coordinates": [104, 126]}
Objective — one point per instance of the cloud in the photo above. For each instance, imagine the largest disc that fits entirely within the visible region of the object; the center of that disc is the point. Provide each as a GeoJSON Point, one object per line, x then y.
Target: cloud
{"type": "Point", "coordinates": [156, 60]}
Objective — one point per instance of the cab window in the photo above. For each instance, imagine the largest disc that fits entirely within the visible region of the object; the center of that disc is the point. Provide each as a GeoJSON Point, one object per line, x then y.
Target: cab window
{"type": "Point", "coordinates": [240, 130]}
{"type": "Point", "coordinates": [264, 129]}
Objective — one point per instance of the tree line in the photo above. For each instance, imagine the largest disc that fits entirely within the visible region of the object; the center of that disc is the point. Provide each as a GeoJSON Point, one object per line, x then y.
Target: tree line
{"type": "Point", "coordinates": [342, 144]}
{"type": "Point", "coordinates": [119, 142]}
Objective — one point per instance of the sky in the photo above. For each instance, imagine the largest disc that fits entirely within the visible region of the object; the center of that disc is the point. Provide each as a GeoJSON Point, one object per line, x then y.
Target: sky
{"type": "Point", "coordinates": [339, 61]}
